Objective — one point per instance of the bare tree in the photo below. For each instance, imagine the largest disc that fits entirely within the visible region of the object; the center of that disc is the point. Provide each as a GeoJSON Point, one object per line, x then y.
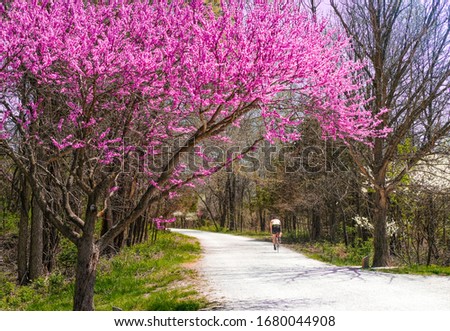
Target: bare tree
{"type": "Point", "coordinates": [312, 5]}
{"type": "Point", "coordinates": [406, 46]}
{"type": "Point", "coordinates": [22, 249]}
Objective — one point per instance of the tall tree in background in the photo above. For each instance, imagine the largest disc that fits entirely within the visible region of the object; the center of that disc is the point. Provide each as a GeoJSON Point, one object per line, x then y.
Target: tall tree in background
{"type": "Point", "coordinates": [84, 86]}
{"type": "Point", "coordinates": [406, 46]}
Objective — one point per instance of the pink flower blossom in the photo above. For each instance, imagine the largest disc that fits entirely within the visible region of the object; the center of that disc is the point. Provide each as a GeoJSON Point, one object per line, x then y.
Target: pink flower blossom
{"type": "Point", "coordinates": [134, 77]}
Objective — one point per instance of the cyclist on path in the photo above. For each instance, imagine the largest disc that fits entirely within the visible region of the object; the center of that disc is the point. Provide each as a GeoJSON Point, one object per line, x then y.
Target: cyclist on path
{"type": "Point", "coordinates": [275, 230]}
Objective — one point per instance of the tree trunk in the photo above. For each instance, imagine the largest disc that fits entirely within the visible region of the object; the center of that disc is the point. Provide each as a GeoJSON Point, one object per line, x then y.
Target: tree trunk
{"type": "Point", "coordinates": [211, 215]}
{"type": "Point", "coordinates": [87, 261]}
{"type": "Point", "coordinates": [444, 236]}
{"type": "Point", "coordinates": [36, 266]}
{"type": "Point", "coordinates": [107, 223]}
{"type": "Point", "coordinates": [380, 242]}
{"type": "Point", "coordinates": [231, 189]}
{"type": "Point", "coordinates": [22, 251]}
{"type": "Point", "coordinates": [431, 228]}
{"type": "Point", "coordinates": [223, 211]}
{"type": "Point", "coordinates": [316, 226]}
{"type": "Point", "coordinates": [333, 220]}
{"type": "Point", "coordinates": [51, 242]}
{"type": "Point", "coordinates": [295, 225]}
{"type": "Point", "coordinates": [241, 205]}
{"type": "Point", "coordinates": [344, 231]}
{"type": "Point", "coordinates": [262, 219]}
{"type": "Point", "coordinates": [51, 236]}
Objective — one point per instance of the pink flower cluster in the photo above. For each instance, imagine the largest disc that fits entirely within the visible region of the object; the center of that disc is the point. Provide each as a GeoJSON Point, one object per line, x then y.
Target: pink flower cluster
{"type": "Point", "coordinates": [160, 223]}
{"type": "Point", "coordinates": [127, 75]}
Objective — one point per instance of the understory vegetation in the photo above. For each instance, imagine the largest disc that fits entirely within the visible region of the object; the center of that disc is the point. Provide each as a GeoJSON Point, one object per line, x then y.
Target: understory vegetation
{"type": "Point", "coordinates": [142, 277]}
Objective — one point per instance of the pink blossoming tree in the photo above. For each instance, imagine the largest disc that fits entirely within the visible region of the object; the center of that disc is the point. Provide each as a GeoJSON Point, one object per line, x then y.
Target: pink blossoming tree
{"type": "Point", "coordinates": [84, 86]}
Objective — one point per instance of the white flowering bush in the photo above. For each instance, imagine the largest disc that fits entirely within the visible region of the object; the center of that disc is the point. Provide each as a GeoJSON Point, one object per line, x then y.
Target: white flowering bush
{"type": "Point", "coordinates": [364, 223]}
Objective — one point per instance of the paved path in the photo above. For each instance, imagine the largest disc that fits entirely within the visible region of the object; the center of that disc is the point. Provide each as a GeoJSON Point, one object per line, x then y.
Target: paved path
{"type": "Point", "coordinates": [245, 274]}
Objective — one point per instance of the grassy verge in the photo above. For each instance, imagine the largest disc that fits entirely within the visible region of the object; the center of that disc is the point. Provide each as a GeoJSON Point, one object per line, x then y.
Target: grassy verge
{"type": "Point", "coordinates": [419, 270]}
{"type": "Point", "coordinates": [337, 254]}
{"type": "Point", "coordinates": [265, 236]}
{"type": "Point", "coordinates": [340, 255]}
{"type": "Point", "coordinates": [143, 277]}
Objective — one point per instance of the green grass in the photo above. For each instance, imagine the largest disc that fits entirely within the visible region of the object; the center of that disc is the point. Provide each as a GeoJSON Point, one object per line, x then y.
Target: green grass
{"type": "Point", "coordinates": [143, 277]}
{"type": "Point", "coordinates": [419, 270]}
{"type": "Point", "coordinates": [255, 235]}
{"type": "Point", "coordinates": [337, 254]}
{"type": "Point", "coordinates": [8, 223]}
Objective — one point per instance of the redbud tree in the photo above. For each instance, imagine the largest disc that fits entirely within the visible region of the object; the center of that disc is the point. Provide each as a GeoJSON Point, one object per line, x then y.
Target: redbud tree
{"type": "Point", "coordinates": [84, 86]}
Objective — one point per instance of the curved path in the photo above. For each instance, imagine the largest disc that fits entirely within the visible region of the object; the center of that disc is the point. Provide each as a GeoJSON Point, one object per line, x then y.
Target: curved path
{"type": "Point", "coordinates": [245, 274]}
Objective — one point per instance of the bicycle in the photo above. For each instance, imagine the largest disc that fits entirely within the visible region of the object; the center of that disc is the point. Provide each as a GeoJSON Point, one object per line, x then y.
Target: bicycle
{"type": "Point", "coordinates": [277, 242]}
